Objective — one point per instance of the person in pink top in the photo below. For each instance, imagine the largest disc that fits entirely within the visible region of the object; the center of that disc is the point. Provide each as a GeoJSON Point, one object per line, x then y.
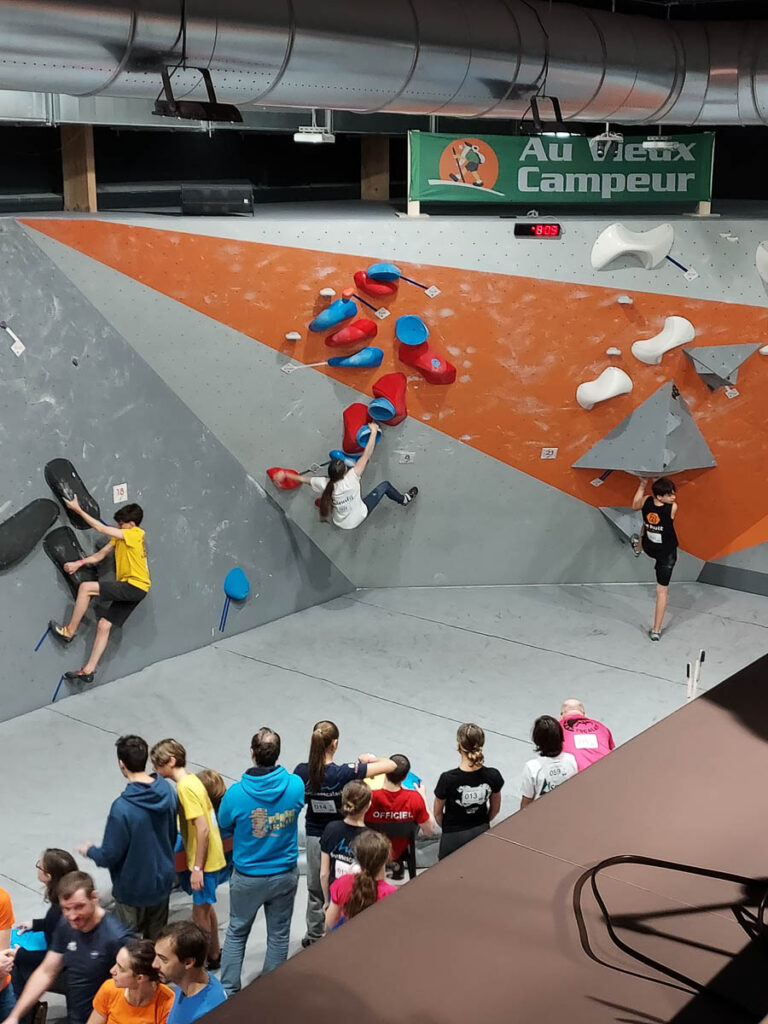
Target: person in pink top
{"type": "Point", "coordinates": [353, 893]}
{"type": "Point", "coordinates": [586, 738]}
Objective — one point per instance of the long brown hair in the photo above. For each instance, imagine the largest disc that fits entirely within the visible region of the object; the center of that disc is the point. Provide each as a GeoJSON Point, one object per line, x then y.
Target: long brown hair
{"type": "Point", "coordinates": [337, 470]}
{"type": "Point", "coordinates": [471, 739]}
{"type": "Point", "coordinates": [372, 850]}
{"type": "Point", "coordinates": [323, 735]}
{"type": "Point", "coordinates": [355, 798]}
{"type": "Point", "coordinates": [56, 863]}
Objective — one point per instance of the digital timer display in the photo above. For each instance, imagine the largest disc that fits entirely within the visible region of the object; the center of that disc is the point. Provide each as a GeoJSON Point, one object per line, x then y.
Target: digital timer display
{"type": "Point", "coordinates": [533, 229]}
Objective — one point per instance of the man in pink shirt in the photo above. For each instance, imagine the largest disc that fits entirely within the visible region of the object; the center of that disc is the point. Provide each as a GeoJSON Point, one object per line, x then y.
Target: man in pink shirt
{"type": "Point", "coordinates": [587, 739]}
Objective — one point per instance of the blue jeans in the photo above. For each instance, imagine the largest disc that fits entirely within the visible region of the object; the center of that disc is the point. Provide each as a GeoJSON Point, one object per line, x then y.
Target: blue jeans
{"type": "Point", "coordinates": [381, 490]}
{"type": "Point", "coordinates": [276, 893]}
{"type": "Point", "coordinates": [7, 1001]}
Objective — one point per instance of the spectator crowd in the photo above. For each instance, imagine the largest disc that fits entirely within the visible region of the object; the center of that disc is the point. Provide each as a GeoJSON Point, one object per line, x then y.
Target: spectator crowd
{"type": "Point", "coordinates": [173, 827]}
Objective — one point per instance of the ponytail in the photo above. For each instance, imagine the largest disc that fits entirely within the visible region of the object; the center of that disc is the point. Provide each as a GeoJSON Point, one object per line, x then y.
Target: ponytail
{"type": "Point", "coordinates": [337, 470]}
{"type": "Point", "coordinates": [372, 850]}
{"type": "Point", "coordinates": [471, 739]}
{"type": "Point", "coordinates": [323, 735]}
{"type": "Point", "coordinates": [355, 798]}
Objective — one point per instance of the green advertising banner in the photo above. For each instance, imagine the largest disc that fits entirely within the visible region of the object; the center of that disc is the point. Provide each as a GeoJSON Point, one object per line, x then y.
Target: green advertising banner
{"type": "Point", "coordinates": [550, 169]}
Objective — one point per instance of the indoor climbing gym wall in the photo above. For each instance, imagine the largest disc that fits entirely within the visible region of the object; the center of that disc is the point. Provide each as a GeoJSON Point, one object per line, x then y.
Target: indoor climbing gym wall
{"type": "Point", "coordinates": [72, 388]}
{"type": "Point", "coordinates": [517, 380]}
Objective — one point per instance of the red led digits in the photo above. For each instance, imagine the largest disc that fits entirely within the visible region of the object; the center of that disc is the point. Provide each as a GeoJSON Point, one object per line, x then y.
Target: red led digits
{"type": "Point", "coordinates": [534, 230]}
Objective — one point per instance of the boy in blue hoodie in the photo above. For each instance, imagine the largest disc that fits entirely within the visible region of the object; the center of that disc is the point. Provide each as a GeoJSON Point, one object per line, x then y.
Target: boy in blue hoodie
{"type": "Point", "coordinates": [138, 843]}
{"type": "Point", "coordinates": [261, 812]}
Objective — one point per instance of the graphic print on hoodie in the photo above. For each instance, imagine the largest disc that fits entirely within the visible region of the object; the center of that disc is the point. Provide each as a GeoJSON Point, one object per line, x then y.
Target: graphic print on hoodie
{"type": "Point", "coordinates": [138, 843]}
{"type": "Point", "coordinates": [261, 812]}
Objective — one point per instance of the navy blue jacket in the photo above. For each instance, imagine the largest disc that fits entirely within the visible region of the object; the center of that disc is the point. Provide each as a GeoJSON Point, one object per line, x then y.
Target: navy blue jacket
{"type": "Point", "coordinates": [138, 844]}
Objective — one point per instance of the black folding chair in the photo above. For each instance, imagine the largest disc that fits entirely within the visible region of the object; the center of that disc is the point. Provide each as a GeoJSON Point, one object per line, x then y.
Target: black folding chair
{"type": "Point", "coordinates": [401, 830]}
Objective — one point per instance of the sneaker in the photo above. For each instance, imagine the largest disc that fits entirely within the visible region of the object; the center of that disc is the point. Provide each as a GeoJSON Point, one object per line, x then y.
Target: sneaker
{"type": "Point", "coordinates": [40, 1013]}
{"type": "Point", "coordinates": [306, 942]}
{"type": "Point", "coordinates": [634, 541]}
{"type": "Point", "coordinates": [60, 632]}
{"type": "Point", "coordinates": [79, 676]}
{"type": "Point", "coordinates": [214, 965]}
{"type": "Point", "coordinates": [410, 495]}
{"type": "Point", "coordinates": [654, 635]}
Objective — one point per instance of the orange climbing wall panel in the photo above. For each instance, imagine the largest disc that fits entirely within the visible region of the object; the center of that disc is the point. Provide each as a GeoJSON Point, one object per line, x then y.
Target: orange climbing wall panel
{"type": "Point", "coordinates": [521, 346]}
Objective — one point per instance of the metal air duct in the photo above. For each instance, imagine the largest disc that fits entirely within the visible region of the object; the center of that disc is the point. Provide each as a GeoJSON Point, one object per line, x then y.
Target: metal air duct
{"type": "Point", "coordinates": [447, 57]}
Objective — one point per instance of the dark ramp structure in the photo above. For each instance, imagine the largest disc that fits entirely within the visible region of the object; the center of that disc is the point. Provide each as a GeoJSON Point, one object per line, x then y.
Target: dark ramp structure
{"type": "Point", "coordinates": [509, 928]}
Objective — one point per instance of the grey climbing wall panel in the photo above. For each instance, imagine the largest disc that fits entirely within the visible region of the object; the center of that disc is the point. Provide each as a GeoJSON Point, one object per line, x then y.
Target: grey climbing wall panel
{"type": "Point", "coordinates": [79, 391]}
{"type": "Point", "coordinates": [718, 365]}
{"type": "Point", "coordinates": [660, 437]}
{"type": "Point", "coordinates": [625, 519]}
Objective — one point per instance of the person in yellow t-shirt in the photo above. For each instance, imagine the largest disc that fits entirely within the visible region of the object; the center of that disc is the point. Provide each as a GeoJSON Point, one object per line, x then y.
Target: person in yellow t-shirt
{"type": "Point", "coordinates": [133, 995]}
{"type": "Point", "coordinates": [206, 863]}
{"type": "Point", "coordinates": [132, 584]}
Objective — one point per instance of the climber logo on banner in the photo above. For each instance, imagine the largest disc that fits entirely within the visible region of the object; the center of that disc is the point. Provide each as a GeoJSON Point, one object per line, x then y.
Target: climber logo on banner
{"type": "Point", "coordinates": [468, 164]}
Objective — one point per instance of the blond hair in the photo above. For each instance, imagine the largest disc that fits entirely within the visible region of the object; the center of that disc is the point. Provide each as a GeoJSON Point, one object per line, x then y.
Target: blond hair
{"type": "Point", "coordinates": [164, 750]}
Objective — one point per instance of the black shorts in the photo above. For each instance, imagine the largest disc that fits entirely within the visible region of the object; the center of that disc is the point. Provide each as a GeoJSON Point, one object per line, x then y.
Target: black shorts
{"type": "Point", "coordinates": [664, 559]}
{"type": "Point", "coordinates": [120, 600]}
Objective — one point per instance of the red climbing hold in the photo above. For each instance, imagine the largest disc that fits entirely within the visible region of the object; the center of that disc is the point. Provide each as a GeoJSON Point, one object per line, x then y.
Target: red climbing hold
{"type": "Point", "coordinates": [372, 287]}
{"type": "Point", "coordinates": [389, 390]}
{"type": "Point", "coordinates": [352, 334]}
{"type": "Point", "coordinates": [430, 364]}
{"type": "Point", "coordinates": [278, 477]}
{"type": "Point", "coordinates": [355, 417]}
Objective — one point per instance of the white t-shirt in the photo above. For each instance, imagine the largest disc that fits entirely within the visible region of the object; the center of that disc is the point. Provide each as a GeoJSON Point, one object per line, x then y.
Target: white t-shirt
{"type": "Point", "coordinates": [544, 773]}
{"type": "Point", "coordinates": [349, 509]}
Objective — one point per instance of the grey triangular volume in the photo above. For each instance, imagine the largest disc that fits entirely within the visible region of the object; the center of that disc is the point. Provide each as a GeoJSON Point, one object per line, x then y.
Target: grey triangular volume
{"type": "Point", "coordinates": [720, 361]}
{"type": "Point", "coordinates": [659, 437]}
{"type": "Point", "coordinates": [624, 519]}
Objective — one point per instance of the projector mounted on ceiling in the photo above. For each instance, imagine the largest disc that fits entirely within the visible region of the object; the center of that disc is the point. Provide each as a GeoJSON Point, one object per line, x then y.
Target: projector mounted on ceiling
{"type": "Point", "coordinates": [313, 133]}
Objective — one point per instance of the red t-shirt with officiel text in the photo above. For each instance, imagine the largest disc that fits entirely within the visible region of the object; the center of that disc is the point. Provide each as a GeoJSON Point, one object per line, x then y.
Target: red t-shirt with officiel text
{"type": "Point", "coordinates": [587, 739]}
{"type": "Point", "coordinates": [404, 805]}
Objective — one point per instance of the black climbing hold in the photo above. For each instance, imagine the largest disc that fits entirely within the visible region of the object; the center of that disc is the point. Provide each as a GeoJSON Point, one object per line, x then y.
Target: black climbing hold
{"type": "Point", "coordinates": [20, 533]}
{"type": "Point", "coordinates": [63, 479]}
{"type": "Point", "coordinates": [61, 545]}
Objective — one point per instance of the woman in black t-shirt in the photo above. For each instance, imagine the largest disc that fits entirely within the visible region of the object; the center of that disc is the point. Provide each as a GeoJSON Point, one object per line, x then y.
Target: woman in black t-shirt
{"type": "Point", "coordinates": [467, 798]}
{"type": "Point", "coordinates": [658, 539]}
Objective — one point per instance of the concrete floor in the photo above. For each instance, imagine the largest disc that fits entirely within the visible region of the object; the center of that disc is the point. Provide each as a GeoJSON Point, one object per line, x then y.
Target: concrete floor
{"type": "Point", "coordinates": [398, 670]}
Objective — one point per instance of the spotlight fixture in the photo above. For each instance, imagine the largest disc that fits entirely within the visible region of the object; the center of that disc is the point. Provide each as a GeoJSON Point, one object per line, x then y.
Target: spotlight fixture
{"type": "Point", "coordinates": [606, 143]}
{"type": "Point", "coordinates": [195, 110]}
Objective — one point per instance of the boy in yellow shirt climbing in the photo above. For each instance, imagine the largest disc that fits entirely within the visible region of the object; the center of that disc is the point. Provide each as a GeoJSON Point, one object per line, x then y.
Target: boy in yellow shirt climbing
{"type": "Point", "coordinates": [130, 587]}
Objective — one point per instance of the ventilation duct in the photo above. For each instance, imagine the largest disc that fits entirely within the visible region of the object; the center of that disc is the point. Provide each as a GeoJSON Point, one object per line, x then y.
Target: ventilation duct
{"type": "Point", "coordinates": [481, 59]}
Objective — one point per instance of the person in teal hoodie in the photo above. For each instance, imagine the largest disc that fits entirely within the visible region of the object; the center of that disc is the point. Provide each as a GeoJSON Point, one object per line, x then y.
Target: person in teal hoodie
{"type": "Point", "coordinates": [261, 812]}
{"type": "Point", "coordinates": [138, 843]}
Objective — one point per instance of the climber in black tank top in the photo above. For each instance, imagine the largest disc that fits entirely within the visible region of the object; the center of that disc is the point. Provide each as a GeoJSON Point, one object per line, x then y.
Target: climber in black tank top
{"type": "Point", "coordinates": [658, 539]}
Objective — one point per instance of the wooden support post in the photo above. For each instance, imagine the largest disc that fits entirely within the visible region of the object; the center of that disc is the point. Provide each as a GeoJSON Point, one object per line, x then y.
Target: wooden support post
{"type": "Point", "coordinates": [78, 167]}
{"type": "Point", "coordinates": [374, 168]}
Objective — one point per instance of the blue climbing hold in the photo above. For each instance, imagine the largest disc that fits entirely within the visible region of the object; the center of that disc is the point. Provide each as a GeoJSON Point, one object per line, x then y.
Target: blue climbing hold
{"type": "Point", "coordinates": [381, 410]}
{"type": "Point", "coordinates": [369, 356]}
{"type": "Point", "coordinates": [411, 330]}
{"type": "Point", "coordinates": [336, 313]}
{"type": "Point", "coordinates": [236, 585]}
{"type": "Point", "coordinates": [384, 272]}
{"type": "Point", "coordinates": [349, 460]}
{"type": "Point", "coordinates": [363, 434]}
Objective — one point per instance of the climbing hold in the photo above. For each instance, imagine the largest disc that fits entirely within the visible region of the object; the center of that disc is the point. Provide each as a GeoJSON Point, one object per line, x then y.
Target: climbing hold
{"type": "Point", "coordinates": [432, 367]}
{"type": "Point", "coordinates": [277, 474]}
{"type": "Point", "coordinates": [649, 248]}
{"type": "Point", "coordinates": [676, 331]}
{"type": "Point", "coordinates": [611, 382]}
{"type": "Point", "coordinates": [625, 300]}
{"type": "Point", "coordinates": [411, 330]}
{"type": "Point", "coordinates": [353, 334]}
{"type": "Point", "coordinates": [764, 350]}
{"type": "Point", "coordinates": [64, 480]}
{"type": "Point", "coordinates": [388, 405]}
{"type": "Point", "coordinates": [327, 293]}
{"type": "Point", "coordinates": [371, 286]}
{"type": "Point", "coordinates": [613, 351]}
{"type": "Point", "coordinates": [61, 545]}
{"type": "Point", "coordinates": [718, 365]}
{"type": "Point", "coordinates": [368, 357]}
{"type": "Point", "coordinates": [339, 311]}
{"type": "Point", "coordinates": [293, 336]}
{"type": "Point", "coordinates": [384, 272]}
{"type": "Point", "coordinates": [236, 585]}
{"type": "Point", "coordinates": [20, 534]}
{"type": "Point", "coordinates": [355, 419]}
{"type": "Point", "coordinates": [345, 457]}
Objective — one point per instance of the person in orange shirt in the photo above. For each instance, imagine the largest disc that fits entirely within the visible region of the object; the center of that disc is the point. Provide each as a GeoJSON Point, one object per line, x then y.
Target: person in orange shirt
{"type": "Point", "coordinates": [132, 584]}
{"type": "Point", "coordinates": [7, 997]}
{"type": "Point", "coordinates": [133, 995]}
